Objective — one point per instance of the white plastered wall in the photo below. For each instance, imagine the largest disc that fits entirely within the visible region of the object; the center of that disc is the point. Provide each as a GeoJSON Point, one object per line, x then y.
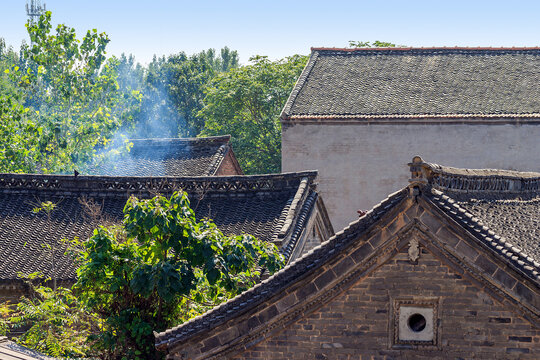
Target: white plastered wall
{"type": "Point", "coordinates": [359, 165]}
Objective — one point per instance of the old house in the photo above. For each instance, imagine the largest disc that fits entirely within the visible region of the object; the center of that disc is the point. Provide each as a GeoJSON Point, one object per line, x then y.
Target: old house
{"type": "Point", "coordinates": [356, 115]}
{"type": "Point", "coordinates": [284, 209]}
{"type": "Point", "coordinates": [448, 267]}
{"type": "Point", "coordinates": [207, 156]}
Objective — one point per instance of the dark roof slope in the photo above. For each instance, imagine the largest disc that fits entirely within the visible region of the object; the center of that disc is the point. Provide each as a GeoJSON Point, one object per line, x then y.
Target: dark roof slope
{"type": "Point", "coordinates": [169, 157]}
{"type": "Point", "coordinates": [413, 82]}
{"type": "Point", "coordinates": [500, 207]}
{"type": "Point", "coordinates": [271, 207]}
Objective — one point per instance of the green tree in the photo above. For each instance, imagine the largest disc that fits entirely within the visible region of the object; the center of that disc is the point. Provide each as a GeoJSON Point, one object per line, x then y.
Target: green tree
{"type": "Point", "coordinates": [54, 322]}
{"type": "Point", "coordinates": [18, 132]}
{"type": "Point", "coordinates": [19, 137]}
{"type": "Point", "coordinates": [174, 92]}
{"type": "Point", "coordinates": [375, 44]}
{"type": "Point", "coordinates": [246, 102]}
{"type": "Point", "coordinates": [9, 59]}
{"type": "Point", "coordinates": [161, 267]}
{"type": "Point", "coordinates": [72, 93]}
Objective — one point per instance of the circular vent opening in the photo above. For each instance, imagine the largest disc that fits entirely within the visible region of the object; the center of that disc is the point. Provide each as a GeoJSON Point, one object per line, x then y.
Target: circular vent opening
{"type": "Point", "coordinates": [417, 322]}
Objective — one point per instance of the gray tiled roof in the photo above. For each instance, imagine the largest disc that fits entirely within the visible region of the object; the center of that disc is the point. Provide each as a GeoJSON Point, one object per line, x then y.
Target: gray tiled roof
{"type": "Point", "coordinates": [501, 207]}
{"type": "Point", "coordinates": [259, 205]}
{"type": "Point", "coordinates": [517, 219]}
{"type": "Point", "coordinates": [417, 81]}
{"type": "Point", "coordinates": [12, 351]}
{"type": "Point", "coordinates": [169, 157]}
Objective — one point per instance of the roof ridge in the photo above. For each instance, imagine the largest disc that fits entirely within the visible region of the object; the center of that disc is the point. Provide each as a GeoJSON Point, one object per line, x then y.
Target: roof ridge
{"type": "Point", "coordinates": [217, 159]}
{"type": "Point", "coordinates": [473, 48]}
{"type": "Point", "coordinates": [294, 207]}
{"type": "Point", "coordinates": [181, 141]}
{"type": "Point", "coordinates": [89, 183]}
{"type": "Point", "coordinates": [291, 272]}
{"type": "Point", "coordinates": [307, 206]}
{"type": "Point", "coordinates": [479, 180]}
{"type": "Point", "coordinates": [414, 116]}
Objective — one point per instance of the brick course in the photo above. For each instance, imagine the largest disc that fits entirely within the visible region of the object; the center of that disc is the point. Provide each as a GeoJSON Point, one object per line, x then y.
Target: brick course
{"type": "Point", "coordinates": [356, 325]}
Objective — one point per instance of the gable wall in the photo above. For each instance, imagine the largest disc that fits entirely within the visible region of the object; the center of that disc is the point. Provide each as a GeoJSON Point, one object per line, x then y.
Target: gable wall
{"type": "Point", "coordinates": [229, 166]}
{"type": "Point", "coordinates": [361, 281]}
{"type": "Point", "coordinates": [359, 164]}
{"type": "Point", "coordinates": [357, 324]}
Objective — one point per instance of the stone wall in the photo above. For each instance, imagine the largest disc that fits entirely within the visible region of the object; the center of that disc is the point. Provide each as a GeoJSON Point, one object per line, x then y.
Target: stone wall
{"type": "Point", "coordinates": [359, 165]}
{"type": "Point", "coordinates": [358, 324]}
{"type": "Point", "coordinates": [11, 291]}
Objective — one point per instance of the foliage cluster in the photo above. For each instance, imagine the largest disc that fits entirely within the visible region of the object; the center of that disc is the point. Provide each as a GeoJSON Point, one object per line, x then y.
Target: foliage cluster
{"type": "Point", "coordinates": [157, 269]}
{"type": "Point", "coordinates": [67, 101]}
{"type": "Point", "coordinates": [246, 103]}
{"type": "Point", "coordinates": [68, 106]}
{"type": "Point", "coordinates": [173, 92]}
{"type": "Point", "coordinates": [52, 322]}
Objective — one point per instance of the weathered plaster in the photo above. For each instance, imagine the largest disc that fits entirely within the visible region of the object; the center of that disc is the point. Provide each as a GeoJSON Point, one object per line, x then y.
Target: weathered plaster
{"type": "Point", "coordinates": [359, 165]}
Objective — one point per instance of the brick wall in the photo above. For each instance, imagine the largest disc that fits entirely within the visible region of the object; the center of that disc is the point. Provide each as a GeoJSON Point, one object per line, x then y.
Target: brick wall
{"type": "Point", "coordinates": [10, 293]}
{"type": "Point", "coordinates": [346, 307]}
{"type": "Point", "coordinates": [229, 166]}
{"type": "Point", "coordinates": [357, 324]}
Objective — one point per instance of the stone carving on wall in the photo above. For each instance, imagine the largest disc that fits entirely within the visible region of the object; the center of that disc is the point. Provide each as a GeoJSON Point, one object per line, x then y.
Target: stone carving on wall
{"type": "Point", "coordinates": [414, 251]}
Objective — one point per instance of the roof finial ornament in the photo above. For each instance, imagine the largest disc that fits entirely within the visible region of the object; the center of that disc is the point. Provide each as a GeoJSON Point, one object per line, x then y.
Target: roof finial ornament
{"type": "Point", "coordinates": [418, 176]}
{"type": "Point", "coordinates": [417, 171]}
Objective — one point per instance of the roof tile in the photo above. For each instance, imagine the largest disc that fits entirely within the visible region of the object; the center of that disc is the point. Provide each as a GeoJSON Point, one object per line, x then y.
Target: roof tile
{"type": "Point", "coordinates": [254, 205]}
{"type": "Point", "coordinates": [169, 157]}
{"type": "Point", "coordinates": [401, 82]}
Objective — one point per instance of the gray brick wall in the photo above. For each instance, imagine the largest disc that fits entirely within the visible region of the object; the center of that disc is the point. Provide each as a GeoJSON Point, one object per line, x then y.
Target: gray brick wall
{"type": "Point", "coordinates": [356, 325]}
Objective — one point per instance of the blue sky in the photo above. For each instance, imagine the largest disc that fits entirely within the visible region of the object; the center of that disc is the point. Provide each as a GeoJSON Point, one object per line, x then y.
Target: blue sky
{"type": "Point", "coordinates": [280, 28]}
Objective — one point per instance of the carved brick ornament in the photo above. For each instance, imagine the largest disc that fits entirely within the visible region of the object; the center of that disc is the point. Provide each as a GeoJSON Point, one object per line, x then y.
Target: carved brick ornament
{"type": "Point", "coordinates": [414, 251]}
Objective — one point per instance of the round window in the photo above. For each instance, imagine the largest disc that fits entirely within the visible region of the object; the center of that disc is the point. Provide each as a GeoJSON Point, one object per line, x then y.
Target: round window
{"type": "Point", "coordinates": [416, 322]}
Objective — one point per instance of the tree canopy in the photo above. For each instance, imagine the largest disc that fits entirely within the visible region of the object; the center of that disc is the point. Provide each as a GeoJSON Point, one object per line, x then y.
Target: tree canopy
{"type": "Point", "coordinates": [246, 102]}
{"type": "Point", "coordinates": [160, 268]}
{"type": "Point", "coordinates": [69, 102]}
{"type": "Point", "coordinates": [67, 105]}
{"type": "Point", "coordinates": [369, 44]}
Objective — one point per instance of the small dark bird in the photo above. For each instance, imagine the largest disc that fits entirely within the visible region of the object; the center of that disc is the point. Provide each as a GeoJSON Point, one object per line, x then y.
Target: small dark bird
{"type": "Point", "coordinates": [76, 173]}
